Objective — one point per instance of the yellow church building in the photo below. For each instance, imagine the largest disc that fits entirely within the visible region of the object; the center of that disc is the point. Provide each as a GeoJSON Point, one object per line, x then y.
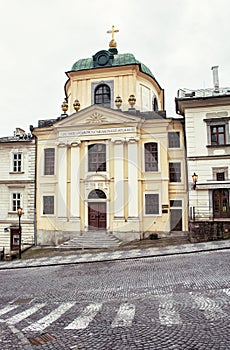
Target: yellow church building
{"type": "Point", "coordinates": [115, 162]}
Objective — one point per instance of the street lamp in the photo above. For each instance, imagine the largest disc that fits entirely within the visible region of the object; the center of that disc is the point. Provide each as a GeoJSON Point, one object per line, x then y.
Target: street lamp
{"type": "Point", "coordinates": [195, 179]}
{"type": "Point", "coordinates": [19, 210]}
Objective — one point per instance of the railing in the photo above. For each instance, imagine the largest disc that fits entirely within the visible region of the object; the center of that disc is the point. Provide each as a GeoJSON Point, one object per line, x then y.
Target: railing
{"type": "Point", "coordinates": [186, 93]}
{"type": "Point", "coordinates": [200, 214]}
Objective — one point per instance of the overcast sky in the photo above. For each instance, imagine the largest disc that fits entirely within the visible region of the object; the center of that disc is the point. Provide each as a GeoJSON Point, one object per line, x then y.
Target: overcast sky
{"type": "Point", "coordinates": [179, 40]}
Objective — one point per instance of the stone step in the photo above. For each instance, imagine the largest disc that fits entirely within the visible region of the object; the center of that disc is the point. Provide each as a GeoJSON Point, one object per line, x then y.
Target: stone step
{"type": "Point", "coordinates": [92, 239]}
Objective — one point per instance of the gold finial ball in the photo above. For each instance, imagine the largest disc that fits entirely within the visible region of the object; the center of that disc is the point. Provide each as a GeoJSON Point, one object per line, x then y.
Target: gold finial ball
{"type": "Point", "coordinates": [76, 105]}
{"type": "Point", "coordinates": [118, 101]}
{"type": "Point", "coordinates": [112, 43]}
{"type": "Point", "coordinates": [132, 100]}
{"type": "Point", "coordinates": [64, 105]}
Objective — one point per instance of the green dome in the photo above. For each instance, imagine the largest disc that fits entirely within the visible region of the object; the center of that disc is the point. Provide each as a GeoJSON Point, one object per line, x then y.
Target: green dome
{"type": "Point", "coordinates": [117, 60]}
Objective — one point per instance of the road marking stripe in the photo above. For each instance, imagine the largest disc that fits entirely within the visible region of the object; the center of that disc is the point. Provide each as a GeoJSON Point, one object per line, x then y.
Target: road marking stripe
{"type": "Point", "coordinates": [8, 308]}
{"type": "Point", "coordinates": [22, 315]}
{"type": "Point", "coordinates": [86, 317]}
{"type": "Point", "coordinates": [50, 318]}
{"type": "Point", "coordinates": [210, 308]}
{"type": "Point", "coordinates": [227, 291]}
{"type": "Point", "coordinates": [124, 316]}
{"type": "Point", "coordinates": [168, 316]}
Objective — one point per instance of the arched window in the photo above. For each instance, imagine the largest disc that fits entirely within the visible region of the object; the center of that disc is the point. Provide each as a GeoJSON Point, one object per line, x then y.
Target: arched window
{"type": "Point", "coordinates": [155, 104]}
{"type": "Point", "coordinates": [97, 157]}
{"type": "Point", "coordinates": [151, 156]}
{"type": "Point", "coordinates": [96, 194]}
{"type": "Point", "coordinates": [102, 95]}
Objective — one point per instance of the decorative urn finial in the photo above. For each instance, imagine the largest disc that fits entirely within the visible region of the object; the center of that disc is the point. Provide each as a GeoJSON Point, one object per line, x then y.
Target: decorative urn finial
{"type": "Point", "coordinates": [76, 105]}
{"type": "Point", "coordinates": [64, 105]}
{"type": "Point", "coordinates": [132, 100]}
{"type": "Point", "coordinates": [118, 102]}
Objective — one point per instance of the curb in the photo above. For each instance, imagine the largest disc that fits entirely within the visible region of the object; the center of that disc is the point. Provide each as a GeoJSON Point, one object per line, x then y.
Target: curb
{"type": "Point", "coordinates": [127, 256]}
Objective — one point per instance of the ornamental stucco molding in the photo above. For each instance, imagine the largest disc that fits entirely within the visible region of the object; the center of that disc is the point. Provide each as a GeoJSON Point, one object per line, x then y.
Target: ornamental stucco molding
{"type": "Point", "coordinates": [68, 143]}
{"type": "Point", "coordinates": [120, 140]}
{"type": "Point", "coordinates": [96, 118]}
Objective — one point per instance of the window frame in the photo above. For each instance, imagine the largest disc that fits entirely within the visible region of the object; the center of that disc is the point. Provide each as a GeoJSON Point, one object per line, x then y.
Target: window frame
{"type": "Point", "coordinates": [148, 162]}
{"type": "Point", "coordinates": [49, 167]}
{"type": "Point", "coordinates": [218, 170]}
{"type": "Point", "coordinates": [171, 141]}
{"type": "Point", "coordinates": [17, 164]}
{"type": "Point", "coordinates": [16, 202]}
{"type": "Point", "coordinates": [43, 204]}
{"type": "Point", "coordinates": [99, 163]}
{"type": "Point", "coordinates": [102, 97]}
{"type": "Point", "coordinates": [217, 122]}
{"type": "Point", "coordinates": [171, 173]}
{"type": "Point", "coordinates": [218, 135]}
{"type": "Point", "coordinates": [157, 212]}
{"type": "Point", "coordinates": [95, 85]}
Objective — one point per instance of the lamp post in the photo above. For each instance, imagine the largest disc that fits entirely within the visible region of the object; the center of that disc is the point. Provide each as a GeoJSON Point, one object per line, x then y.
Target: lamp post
{"type": "Point", "coordinates": [19, 210]}
{"type": "Point", "coordinates": [195, 179]}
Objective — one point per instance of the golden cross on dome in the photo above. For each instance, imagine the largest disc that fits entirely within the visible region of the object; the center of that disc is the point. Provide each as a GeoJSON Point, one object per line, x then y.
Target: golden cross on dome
{"type": "Point", "coordinates": [112, 31]}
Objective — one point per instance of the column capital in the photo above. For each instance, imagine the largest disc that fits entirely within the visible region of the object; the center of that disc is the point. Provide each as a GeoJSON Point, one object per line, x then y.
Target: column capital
{"type": "Point", "coordinates": [75, 143]}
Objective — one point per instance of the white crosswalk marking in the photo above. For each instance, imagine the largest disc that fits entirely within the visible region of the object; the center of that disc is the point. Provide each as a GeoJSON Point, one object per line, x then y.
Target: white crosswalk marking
{"type": "Point", "coordinates": [8, 308]}
{"type": "Point", "coordinates": [211, 310]}
{"type": "Point", "coordinates": [124, 316]}
{"type": "Point", "coordinates": [227, 291]}
{"type": "Point", "coordinates": [21, 316]}
{"type": "Point", "coordinates": [168, 316]}
{"type": "Point", "coordinates": [50, 318]}
{"type": "Point", "coordinates": [86, 317]}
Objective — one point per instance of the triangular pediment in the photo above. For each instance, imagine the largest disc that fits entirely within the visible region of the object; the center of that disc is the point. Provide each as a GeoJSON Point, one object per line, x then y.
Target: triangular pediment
{"type": "Point", "coordinates": [97, 116]}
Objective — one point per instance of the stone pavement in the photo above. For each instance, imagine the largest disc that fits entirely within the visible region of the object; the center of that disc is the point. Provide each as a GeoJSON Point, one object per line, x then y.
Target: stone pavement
{"type": "Point", "coordinates": [84, 257]}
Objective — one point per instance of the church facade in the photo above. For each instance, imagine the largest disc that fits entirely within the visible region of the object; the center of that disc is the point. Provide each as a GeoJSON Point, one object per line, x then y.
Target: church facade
{"type": "Point", "coordinates": [115, 162]}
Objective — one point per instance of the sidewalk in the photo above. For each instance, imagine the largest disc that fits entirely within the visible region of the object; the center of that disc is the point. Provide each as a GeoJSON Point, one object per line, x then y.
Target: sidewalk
{"type": "Point", "coordinates": [89, 257]}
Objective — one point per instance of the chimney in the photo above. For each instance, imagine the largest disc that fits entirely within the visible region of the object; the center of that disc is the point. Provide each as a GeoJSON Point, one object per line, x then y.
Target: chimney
{"type": "Point", "coordinates": [215, 78]}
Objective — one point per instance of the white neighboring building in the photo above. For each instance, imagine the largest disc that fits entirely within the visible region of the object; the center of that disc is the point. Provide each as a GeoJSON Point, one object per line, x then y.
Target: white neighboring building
{"type": "Point", "coordinates": [17, 184]}
{"type": "Point", "coordinates": [207, 116]}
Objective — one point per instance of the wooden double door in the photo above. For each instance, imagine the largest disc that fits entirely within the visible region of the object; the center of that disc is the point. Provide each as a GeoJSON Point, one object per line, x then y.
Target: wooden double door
{"type": "Point", "coordinates": [97, 216]}
{"type": "Point", "coordinates": [221, 203]}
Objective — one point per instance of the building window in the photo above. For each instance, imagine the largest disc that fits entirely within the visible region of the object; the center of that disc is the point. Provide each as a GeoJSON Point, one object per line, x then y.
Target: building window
{"type": "Point", "coordinates": [102, 95]}
{"type": "Point", "coordinates": [218, 135]}
{"type": "Point", "coordinates": [151, 156]}
{"type": "Point", "coordinates": [220, 176]}
{"type": "Point", "coordinates": [155, 104]}
{"type": "Point", "coordinates": [97, 157]}
{"type": "Point", "coordinates": [152, 204]}
{"type": "Point", "coordinates": [49, 161]}
{"type": "Point", "coordinates": [97, 194]}
{"type": "Point", "coordinates": [48, 205]}
{"type": "Point", "coordinates": [17, 162]}
{"type": "Point", "coordinates": [175, 172]}
{"type": "Point", "coordinates": [174, 139]}
{"type": "Point", "coordinates": [16, 201]}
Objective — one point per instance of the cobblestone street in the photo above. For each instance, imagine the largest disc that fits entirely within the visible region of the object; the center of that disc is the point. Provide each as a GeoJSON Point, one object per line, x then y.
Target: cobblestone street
{"type": "Point", "coordinates": [171, 302]}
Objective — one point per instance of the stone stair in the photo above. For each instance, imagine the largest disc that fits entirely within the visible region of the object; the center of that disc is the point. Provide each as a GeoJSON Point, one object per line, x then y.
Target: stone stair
{"type": "Point", "coordinates": [92, 240]}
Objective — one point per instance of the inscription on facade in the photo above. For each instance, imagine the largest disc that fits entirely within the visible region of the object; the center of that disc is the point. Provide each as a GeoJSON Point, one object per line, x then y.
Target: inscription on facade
{"type": "Point", "coordinates": [97, 131]}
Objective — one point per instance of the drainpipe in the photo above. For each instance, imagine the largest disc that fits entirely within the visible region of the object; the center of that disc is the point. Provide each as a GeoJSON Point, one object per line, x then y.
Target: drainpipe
{"type": "Point", "coordinates": [35, 187]}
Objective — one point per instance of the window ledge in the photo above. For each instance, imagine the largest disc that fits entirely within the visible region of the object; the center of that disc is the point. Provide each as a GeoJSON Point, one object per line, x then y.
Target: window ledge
{"type": "Point", "coordinates": [16, 172]}
{"type": "Point", "coordinates": [218, 146]}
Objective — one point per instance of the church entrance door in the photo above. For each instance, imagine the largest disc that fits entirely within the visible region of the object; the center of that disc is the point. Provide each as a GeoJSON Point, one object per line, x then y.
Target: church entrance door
{"type": "Point", "coordinates": [97, 216]}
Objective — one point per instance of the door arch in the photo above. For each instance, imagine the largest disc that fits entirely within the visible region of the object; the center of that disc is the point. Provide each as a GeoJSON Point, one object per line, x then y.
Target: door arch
{"type": "Point", "coordinates": [221, 203]}
{"type": "Point", "coordinates": [97, 210]}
